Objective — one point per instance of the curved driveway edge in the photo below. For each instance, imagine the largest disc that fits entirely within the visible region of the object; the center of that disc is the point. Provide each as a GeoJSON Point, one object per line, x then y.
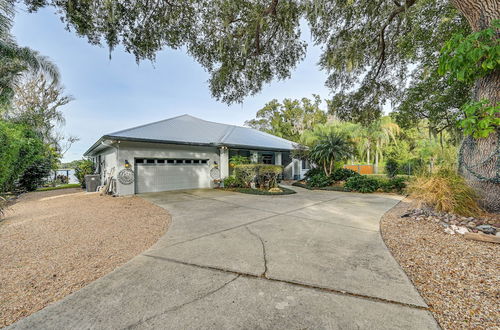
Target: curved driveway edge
{"type": "Point", "coordinates": [314, 259]}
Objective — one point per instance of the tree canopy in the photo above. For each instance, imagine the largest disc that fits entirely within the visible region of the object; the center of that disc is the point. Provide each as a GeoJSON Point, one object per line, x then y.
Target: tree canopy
{"type": "Point", "coordinates": [290, 118]}
{"type": "Point", "coordinates": [370, 47]}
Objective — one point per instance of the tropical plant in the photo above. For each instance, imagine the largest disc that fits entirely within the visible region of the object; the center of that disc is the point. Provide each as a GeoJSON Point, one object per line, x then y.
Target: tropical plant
{"type": "Point", "coordinates": [14, 60]}
{"type": "Point", "coordinates": [84, 167]}
{"type": "Point", "coordinates": [319, 180]}
{"type": "Point", "coordinates": [268, 175]}
{"type": "Point", "coordinates": [330, 148]}
{"type": "Point", "coordinates": [396, 184]}
{"type": "Point", "coordinates": [342, 174]}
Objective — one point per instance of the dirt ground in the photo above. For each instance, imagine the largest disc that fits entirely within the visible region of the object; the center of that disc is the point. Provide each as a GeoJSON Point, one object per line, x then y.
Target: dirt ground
{"type": "Point", "coordinates": [458, 278]}
{"type": "Point", "coordinates": [55, 242]}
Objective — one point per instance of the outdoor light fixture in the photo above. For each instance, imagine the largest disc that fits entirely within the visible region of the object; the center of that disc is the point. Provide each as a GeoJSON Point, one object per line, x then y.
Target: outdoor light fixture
{"type": "Point", "coordinates": [127, 164]}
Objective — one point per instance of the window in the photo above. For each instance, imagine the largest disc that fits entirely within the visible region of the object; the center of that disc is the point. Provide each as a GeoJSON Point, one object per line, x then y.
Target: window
{"type": "Point", "coordinates": [267, 159]}
{"type": "Point", "coordinates": [305, 164]}
{"type": "Point", "coordinates": [170, 161]}
{"type": "Point", "coordinates": [139, 161]}
{"type": "Point", "coordinates": [160, 161]}
{"type": "Point", "coordinates": [204, 161]}
{"type": "Point", "coordinates": [150, 161]}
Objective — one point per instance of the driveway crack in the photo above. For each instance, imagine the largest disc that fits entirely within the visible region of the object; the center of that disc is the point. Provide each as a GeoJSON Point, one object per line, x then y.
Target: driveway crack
{"type": "Point", "coordinates": [175, 308]}
{"type": "Point", "coordinates": [264, 254]}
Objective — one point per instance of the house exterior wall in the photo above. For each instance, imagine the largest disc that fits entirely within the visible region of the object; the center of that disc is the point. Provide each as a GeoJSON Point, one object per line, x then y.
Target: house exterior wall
{"type": "Point", "coordinates": [128, 151]}
{"type": "Point", "coordinates": [117, 155]}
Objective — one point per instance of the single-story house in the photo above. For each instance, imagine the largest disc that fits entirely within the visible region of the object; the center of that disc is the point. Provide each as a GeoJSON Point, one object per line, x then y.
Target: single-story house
{"type": "Point", "coordinates": [184, 152]}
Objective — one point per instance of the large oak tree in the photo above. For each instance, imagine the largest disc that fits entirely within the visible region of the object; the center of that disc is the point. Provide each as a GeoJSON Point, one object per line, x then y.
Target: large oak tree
{"type": "Point", "coordinates": [370, 48]}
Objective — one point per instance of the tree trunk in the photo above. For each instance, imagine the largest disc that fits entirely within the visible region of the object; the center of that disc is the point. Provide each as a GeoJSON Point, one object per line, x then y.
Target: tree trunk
{"type": "Point", "coordinates": [368, 156]}
{"type": "Point", "coordinates": [479, 159]}
{"type": "Point", "coordinates": [376, 157]}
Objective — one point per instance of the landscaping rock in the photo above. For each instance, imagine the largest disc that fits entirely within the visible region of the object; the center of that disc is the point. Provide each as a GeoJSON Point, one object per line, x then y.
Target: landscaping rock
{"type": "Point", "coordinates": [487, 229]}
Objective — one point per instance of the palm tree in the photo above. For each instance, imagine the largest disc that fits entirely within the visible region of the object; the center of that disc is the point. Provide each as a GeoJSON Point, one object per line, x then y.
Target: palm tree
{"type": "Point", "coordinates": [329, 148]}
{"type": "Point", "coordinates": [14, 60]}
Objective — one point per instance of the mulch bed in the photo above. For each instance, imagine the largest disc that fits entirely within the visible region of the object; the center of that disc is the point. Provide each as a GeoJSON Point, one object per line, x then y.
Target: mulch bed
{"type": "Point", "coordinates": [458, 278]}
{"type": "Point", "coordinates": [53, 243]}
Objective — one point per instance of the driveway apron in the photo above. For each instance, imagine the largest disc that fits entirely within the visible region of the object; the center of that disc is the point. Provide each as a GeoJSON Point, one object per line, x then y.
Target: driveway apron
{"type": "Point", "coordinates": [312, 260]}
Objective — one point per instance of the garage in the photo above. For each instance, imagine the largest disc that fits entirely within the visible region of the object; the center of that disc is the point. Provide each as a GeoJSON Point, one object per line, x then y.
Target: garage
{"type": "Point", "coordinates": [160, 174]}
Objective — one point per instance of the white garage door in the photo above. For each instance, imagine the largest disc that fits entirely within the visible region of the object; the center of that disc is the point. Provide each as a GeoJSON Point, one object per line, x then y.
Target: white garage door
{"type": "Point", "coordinates": [154, 175]}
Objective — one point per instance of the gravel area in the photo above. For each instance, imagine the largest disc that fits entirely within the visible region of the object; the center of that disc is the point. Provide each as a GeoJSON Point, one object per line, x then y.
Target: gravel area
{"type": "Point", "coordinates": [53, 243]}
{"type": "Point", "coordinates": [458, 278]}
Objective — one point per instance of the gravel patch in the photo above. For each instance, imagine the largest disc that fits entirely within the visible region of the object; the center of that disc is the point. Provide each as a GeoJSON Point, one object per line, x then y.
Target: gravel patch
{"type": "Point", "coordinates": [458, 278]}
{"type": "Point", "coordinates": [53, 243]}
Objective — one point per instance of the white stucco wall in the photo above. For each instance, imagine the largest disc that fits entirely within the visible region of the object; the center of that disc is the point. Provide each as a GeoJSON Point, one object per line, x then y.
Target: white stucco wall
{"type": "Point", "coordinates": [131, 150]}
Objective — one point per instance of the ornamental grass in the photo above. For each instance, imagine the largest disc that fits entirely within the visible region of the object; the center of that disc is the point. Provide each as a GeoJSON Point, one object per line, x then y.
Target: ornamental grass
{"type": "Point", "coordinates": [445, 191]}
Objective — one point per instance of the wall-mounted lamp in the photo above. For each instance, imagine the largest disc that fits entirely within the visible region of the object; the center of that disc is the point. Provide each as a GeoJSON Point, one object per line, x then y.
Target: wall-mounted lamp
{"type": "Point", "coordinates": [127, 164]}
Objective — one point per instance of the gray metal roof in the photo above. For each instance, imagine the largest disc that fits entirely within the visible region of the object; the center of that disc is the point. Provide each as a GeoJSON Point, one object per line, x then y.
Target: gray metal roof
{"type": "Point", "coordinates": [187, 129]}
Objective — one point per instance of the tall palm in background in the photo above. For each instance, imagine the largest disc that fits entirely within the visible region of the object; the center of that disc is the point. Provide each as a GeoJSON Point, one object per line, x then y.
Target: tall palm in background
{"type": "Point", "coordinates": [15, 60]}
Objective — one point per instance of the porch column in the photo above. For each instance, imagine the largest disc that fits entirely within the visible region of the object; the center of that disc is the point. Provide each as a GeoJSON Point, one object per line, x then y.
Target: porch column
{"type": "Point", "coordinates": [254, 157]}
{"type": "Point", "coordinates": [277, 158]}
{"type": "Point", "coordinates": [224, 162]}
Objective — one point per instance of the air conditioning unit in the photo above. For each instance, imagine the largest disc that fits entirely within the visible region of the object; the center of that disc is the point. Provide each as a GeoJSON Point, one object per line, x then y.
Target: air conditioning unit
{"type": "Point", "coordinates": [92, 181]}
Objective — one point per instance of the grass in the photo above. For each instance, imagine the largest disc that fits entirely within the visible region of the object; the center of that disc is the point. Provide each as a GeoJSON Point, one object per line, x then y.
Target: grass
{"type": "Point", "coordinates": [63, 186]}
{"type": "Point", "coordinates": [251, 191]}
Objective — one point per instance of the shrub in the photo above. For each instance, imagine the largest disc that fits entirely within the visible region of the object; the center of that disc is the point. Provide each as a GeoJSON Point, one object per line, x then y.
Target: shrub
{"type": "Point", "coordinates": [83, 168]}
{"type": "Point", "coordinates": [391, 167]}
{"type": "Point", "coordinates": [232, 182]}
{"type": "Point", "coordinates": [362, 183]}
{"type": "Point", "coordinates": [268, 175]}
{"type": "Point", "coordinates": [35, 175]}
{"type": "Point", "coordinates": [246, 173]}
{"type": "Point", "coordinates": [262, 174]}
{"type": "Point", "coordinates": [319, 180]}
{"type": "Point", "coordinates": [342, 174]}
{"type": "Point", "coordinates": [446, 191]}
{"type": "Point", "coordinates": [313, 171]}
{"type": "Point", "coordinates": [397, 184]}
{"type": "Point", "coordinates": [238, 160]}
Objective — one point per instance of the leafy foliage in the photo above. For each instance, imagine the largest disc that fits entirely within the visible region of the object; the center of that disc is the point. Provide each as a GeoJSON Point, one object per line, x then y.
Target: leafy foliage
{"type": "Point", "coordinates": [20, 148]}
{"type": "Point", "coordinates": [84, 167]}
{"type": "Point", "coordinates": [363, 184]}
{"type": "Point", "coordinates": [446, 191]}
{"type": "Point", "coordinates": [232, 182]}
{"type": "Point", "coordinates": [342, 174]}
{"type": "Point", "coordinates": [473, 56]}
{"type": "Point", "coordinates": [391, 167]}
{"type": "Point", "coordinates": [290, 118]}
{"type": "Point", "coordinates": [35, 175]}
{"type": "Point", "coordinates": [238, 160]}
{"type": "Point", "coordinates": [394, 184]}
{"type": "Point", "coordinates": [319, 180]}
{"type": "Point", "coordinates": [263, 175]}
{"type": "Point", "coordinates": [481, 118]}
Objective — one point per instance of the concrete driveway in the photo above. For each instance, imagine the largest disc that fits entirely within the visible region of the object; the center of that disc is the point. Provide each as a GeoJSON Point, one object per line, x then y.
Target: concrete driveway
{"type": "Point", "coordinates": [312, 260]}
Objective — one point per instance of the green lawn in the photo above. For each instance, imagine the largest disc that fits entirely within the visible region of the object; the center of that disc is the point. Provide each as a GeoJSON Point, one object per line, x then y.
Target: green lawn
{"type": "Point", "coordinates": [63, 186]}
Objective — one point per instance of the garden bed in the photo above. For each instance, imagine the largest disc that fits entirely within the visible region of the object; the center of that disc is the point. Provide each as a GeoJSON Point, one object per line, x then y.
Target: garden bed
{"type": "Point", "coordinates": [285, 191]}
{"type": "Point", "coordinates": [458, 278]}
{"type": "Point", "coordinates": [53, 243]}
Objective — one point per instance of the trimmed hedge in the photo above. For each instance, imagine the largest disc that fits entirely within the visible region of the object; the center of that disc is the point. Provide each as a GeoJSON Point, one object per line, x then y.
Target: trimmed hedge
{"type": "Point", "coordinates": [263, 175]}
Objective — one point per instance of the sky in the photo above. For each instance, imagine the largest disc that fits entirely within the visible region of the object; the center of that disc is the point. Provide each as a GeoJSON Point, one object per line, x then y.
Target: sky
{"type": "Point", "coordinates": [117, 93]}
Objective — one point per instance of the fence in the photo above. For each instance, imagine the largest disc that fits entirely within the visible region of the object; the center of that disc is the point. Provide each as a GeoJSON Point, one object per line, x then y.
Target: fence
{"type": "Point", "coordinates": [361, 169]}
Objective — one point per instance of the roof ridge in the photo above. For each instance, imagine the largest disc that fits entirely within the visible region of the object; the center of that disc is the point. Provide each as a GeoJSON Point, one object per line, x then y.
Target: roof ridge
{"type": "Point", "coordinates": [155, 122]}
